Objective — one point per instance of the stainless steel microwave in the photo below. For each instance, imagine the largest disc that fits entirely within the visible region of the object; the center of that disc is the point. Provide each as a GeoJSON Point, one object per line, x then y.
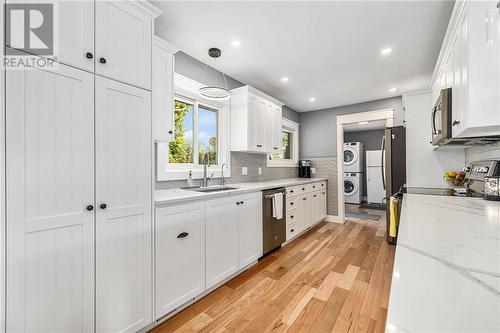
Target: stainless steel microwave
{"type": "Point", "coordinates": [441, 119]}
{"type": "Point", "coordinates": [442, 123]}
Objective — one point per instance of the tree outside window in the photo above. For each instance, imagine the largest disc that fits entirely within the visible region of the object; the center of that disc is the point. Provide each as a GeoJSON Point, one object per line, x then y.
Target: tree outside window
{"type": "Point", "coordinates": [195, 131]}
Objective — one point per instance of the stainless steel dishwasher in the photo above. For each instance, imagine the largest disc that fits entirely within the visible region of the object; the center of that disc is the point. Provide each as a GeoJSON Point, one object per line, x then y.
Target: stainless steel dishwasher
{"type": "Point", "coordinates": [274, 230]}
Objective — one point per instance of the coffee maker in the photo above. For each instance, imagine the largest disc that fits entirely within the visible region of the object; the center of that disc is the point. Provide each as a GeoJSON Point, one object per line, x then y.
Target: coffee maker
{"type": "Point", "coordinates": [304, 169]}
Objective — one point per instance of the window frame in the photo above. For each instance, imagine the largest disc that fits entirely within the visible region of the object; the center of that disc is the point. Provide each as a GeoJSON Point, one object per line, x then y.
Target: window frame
{"type": "Point", "coordinates": [293, 128]}
{"type": "Point", "coordinates": [186, 90]}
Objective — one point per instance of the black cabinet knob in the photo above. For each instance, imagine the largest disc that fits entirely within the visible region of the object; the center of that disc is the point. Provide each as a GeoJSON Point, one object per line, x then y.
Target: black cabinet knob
{"type": "Point", "coordinates": [291, 216]}
{"type": "Point", "coordinates": [183, 235]}
{"type": "Point", "coordinates": [238, 203]}
{"type": "Point", "coordinates": [291, 191]}
{"type": "Point", "coordinates": [303, 189]}
{"type": "Point", "coordinates": [169, 132]}
{"type": "Point", "coordinates": [103, 206]}
{"type": "Point", "coordinates": [89, 55]}
{"type": "Point", "coordinates": [292, 230]}
{"type": "Point", "coordinates": [315, 195]}
{"type": "Point", "coordinates": [241, 202]}
{"type": "Point", "coordinates": [314, 186]}
{"type": "Point", "coordinates": [102, 60]}
{"type": "Point", "coordinates": [304, 198]}
{"type": "Point", "coordinates": [90, 207]}
{"type": "Point", "coordinates": [291, 203]}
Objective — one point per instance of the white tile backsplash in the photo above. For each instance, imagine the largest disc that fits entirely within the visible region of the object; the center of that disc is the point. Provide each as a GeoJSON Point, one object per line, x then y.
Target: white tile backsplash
{"type": "Point", "coordinates": [483, 152]}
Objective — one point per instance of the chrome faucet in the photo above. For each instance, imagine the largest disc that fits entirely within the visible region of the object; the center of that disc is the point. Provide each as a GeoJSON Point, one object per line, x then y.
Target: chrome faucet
{"type": "Point", "coordinates": [222, 180]}
{"type": "Point", "coordinates": [205, 166]}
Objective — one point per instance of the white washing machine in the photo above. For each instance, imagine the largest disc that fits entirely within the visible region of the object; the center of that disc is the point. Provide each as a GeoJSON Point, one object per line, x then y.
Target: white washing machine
{"type": "Point", "coordinates": [353, 157]}
{"type": "Point", "coordinates": [353, 187]}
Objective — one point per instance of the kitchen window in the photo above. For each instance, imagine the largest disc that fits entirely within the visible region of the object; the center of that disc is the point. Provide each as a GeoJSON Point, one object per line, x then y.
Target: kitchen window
{"type": "Point", "coordinates": [200, 126]}
{"type": "Point", "coordinates": [290, 150]}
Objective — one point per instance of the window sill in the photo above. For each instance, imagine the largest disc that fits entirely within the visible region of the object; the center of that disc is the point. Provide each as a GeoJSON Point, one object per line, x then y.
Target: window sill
{"type": "Point", "coordinates": [197, 173]}
{"type": "Point", "coordinates": [281, 163]}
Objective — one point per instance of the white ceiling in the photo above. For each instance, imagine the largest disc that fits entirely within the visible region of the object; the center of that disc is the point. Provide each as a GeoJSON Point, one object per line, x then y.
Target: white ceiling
{"type": "Point", "coordinates": [329, 50]}
{"type": "Point", "coordinates": [372, 125]}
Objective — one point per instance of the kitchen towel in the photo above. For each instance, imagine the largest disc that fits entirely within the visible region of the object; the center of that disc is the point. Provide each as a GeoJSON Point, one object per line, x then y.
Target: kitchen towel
{"type": "Point", "coordinates": [278, 205]}
{"type": "Point", "coordinates": [394, 217]}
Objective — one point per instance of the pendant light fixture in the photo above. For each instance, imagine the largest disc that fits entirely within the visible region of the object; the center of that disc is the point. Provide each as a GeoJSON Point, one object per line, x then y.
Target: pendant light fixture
{"type": "Point", "coordinates": [214, 91]}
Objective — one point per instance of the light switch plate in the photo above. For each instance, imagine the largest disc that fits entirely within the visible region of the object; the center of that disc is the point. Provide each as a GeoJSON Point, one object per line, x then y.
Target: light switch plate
{"type": "Point", "coordinates": [313, 170]}
{"type": "Point", "coordinates": [260, 171]}
{"type": "Point", "coordinates": [244, 171]}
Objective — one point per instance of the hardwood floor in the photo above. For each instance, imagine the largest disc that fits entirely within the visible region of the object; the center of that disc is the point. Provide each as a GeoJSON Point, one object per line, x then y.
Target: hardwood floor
{"type": "Point", "coordinates": [334, 278]}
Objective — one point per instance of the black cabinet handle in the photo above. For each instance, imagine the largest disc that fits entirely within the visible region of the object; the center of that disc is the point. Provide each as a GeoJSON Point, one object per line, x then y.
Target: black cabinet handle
{"type": "Point", "coordinates": [238, 203]}
{"type": "Point", "coordinates": [102, 60]}
{"type": "Point", "coordinates": [315, 195]}
{"type": "Point", "coordinates": [182, 235]}
{"type": "Point", "coordinates": [455, 123]}
{"type": "Point", "coordinates": [89, 55]}
{"type": "Point", "coordinates": [322, 192]}
{"type": "Point", "coordinates": [90, 207]}
{"type": "Point", "coordinates": [291, 191]}
{"type": "Point", "coordinates": [169, 132]}
{"type": "Point", "coordinates": [304, 198]}
{"type": "Point", "coordinates": [103, 206]}
{"type": "Point", "coordinates": [241, 202]}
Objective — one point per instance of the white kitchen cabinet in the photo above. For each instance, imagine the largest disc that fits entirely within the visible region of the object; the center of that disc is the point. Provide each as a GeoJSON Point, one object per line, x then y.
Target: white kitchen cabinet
{"type": "Point", "coordinates": [50, 200]}
{"type": "Point", "coordinates": [255, 121]}
{"type": "Point", "coordinates": [306, 205]}
{"type": "Point", "coordinates": [162, 90]}
{"type": "Point", "coordinates": [124, 207]}
{"type": "Point", "coordinates": [123, 42]}
{"type": "Point", "coordinates": [250, 228]}
{"type": "Point", "coordinates": [180, 255]}
{"type": "Point", "coordinates": [221, 230]}
{"type": "Point", "coordinates": [74, 22]}
{"type": "Point", "coordinates": [469, 64]}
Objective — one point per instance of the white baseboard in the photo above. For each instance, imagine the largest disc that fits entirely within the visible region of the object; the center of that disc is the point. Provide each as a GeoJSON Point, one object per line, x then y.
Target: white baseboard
{"type": "Point", "coordinates": [333, 219]}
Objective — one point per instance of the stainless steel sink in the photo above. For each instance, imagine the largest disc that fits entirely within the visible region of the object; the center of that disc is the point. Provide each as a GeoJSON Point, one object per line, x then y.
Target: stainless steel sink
{"type": "Point", "coordinates": [211, 189]}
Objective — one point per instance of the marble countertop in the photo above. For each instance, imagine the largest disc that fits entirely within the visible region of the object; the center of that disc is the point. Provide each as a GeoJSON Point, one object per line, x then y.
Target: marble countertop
{"type": "Point", "coordinates": [171, 196]}
{"type": "Point", "coordinates": [447, 268]}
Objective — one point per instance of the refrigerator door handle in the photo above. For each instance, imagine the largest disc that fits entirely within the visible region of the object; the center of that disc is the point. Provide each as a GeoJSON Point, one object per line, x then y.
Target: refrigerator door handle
{"type": "Point", "coordinates": [382, 166]}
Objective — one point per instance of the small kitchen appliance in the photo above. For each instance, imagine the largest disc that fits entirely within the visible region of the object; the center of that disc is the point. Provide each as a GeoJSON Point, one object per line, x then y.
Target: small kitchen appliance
{"type": "Point", "coordinates": [304, 169]}
{"type": "Point", "coordinates": [482, 178]}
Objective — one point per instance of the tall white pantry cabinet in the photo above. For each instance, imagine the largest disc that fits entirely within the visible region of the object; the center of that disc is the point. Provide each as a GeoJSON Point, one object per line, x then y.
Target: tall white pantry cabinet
{"type": "Point", "coordinates": [79, 177]}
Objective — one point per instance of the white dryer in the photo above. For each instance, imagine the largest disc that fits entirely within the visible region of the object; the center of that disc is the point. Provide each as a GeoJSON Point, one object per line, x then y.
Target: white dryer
{"type": "Point", "coordinates": [353, 157]}
{"type": "Point", "coordinates": [353, 187]}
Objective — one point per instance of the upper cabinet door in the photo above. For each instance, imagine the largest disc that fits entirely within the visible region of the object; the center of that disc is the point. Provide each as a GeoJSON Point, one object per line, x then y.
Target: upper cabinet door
{"type": "Point", "coordinates": [123, 43]}
{"type": "Point", "coordinates": [50, 191]}
{"type": "Point", "coordinates": [124, 207]}
{"type": "Point", "coordinates": [277, 146]}
{"type": "Point", "coordinates": [76, 33]}
{"type": "Point", "coordinates": [74, 38]}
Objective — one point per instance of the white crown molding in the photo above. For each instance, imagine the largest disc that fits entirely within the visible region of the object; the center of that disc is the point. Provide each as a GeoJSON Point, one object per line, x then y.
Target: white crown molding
{"type": "Point", "coordinates": [164, 45]}
{"type": "Point", "coordinates": [147, 7]}
{"type": "Point", "coordinates": [259, 93]}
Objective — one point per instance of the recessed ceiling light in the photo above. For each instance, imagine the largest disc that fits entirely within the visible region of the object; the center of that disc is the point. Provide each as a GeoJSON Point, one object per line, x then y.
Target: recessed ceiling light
{"type": "Point", "coordinates": [236, 43]}
{"type": "Point", "coordinates": [386, 51]}
{"type": "Point", "coordinates": [393, 90]}
{"type": "Point", "coordinates": [362, 123]}
{"type": "Point", "coordinates": [312, 99]}
{"type": "Point", "coordinates": [284, 79]}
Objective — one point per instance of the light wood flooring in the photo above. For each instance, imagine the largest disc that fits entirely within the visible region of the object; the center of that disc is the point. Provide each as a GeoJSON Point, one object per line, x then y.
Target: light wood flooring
{"type": "Point", "coordinates": [334, 278]}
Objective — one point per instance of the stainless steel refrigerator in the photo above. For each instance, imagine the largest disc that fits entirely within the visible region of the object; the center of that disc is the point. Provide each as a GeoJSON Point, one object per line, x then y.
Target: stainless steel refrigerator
{"type": "Point", "coordinates": [394, 146]}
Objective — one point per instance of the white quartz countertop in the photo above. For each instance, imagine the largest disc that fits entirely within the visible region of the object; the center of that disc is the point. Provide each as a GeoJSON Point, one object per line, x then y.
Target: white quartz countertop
{"type": "Point", "coordinates": [447, 267]}
{"type": "Point", "coordinates": [164, 197]}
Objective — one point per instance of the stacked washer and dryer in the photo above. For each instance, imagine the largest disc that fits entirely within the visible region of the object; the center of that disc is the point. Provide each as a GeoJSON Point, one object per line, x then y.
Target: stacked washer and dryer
{"type": "Point", "coordinates": [353, 172]}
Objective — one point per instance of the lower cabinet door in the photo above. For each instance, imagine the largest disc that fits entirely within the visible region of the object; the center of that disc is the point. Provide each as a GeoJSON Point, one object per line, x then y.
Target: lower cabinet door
{"type": "Point", "coordinates": [180, 255]}
{"type": "Point", "coordinates": [303, 212]}
{"type": "Point", "coordinates": [250, 228]}
{"type": "Point", "coordinates": [221, 230]}
{"type": "Point", "coordinates": [323, 204]}
{"type": "Point", "coordinates": [124, 210]}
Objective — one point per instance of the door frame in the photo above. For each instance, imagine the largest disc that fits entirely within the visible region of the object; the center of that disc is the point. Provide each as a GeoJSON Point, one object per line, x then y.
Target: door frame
{"type": "Point", "coordinates": [353, 118]}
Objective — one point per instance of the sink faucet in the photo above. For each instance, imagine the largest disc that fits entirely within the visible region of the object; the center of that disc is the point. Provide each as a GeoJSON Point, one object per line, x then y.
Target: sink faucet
{"type": "Point", "coordinates": [205, 166]}
{"type": "Point", "coordinates": [222, 180]}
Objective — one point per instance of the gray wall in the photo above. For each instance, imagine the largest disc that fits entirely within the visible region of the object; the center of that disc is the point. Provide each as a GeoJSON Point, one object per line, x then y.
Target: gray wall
{"type": "Point", "coordinates": [318, 130]}
{"type": "Point", "coordinates": [194, 69]}
{"type": "Point", "coordinates": [371, 140]}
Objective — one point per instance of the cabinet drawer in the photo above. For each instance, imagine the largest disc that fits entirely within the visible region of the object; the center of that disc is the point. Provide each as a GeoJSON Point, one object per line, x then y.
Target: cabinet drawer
{"type": "Point", "coordinates": [291, 216]}
{"type": "Point", "coordinates": [291, 204]}
{"type": "Point", "coordinates": [291, 231]}
{"type": "Point", "coordinates": [293, 191]}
